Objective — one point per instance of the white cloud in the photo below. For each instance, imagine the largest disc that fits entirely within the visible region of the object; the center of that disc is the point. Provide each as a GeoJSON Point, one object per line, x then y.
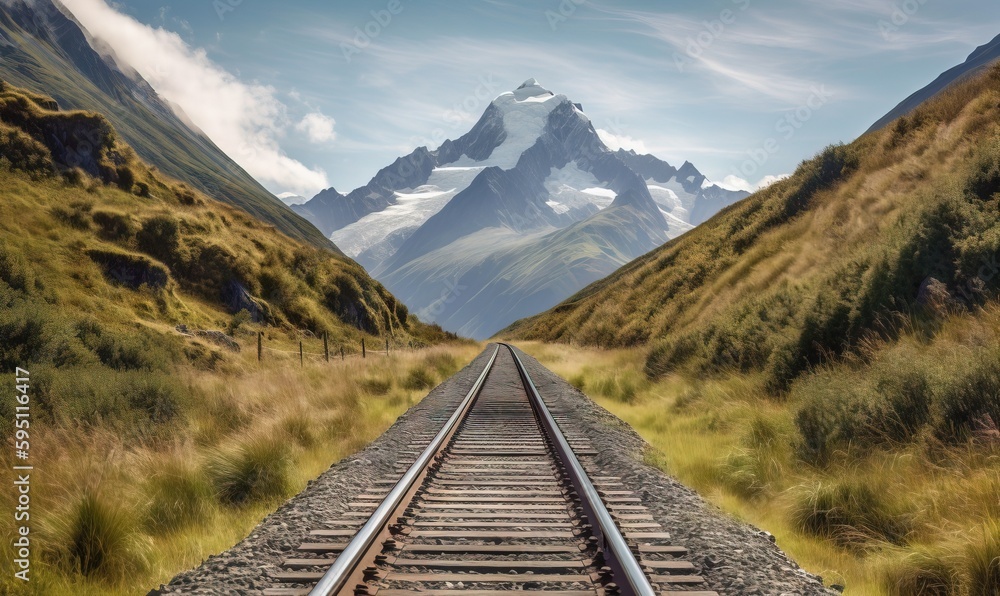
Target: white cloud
{"type": "Point", "coordinates": [244, 119]}
{"type": "Point", "coordinates": [290, 198]}
{"type": "Point", "coordinates": [616, 142]}
{"type": "Point", "coordinates": [732, 182]}
{"type": "Point", "coordinates": [318, 128]}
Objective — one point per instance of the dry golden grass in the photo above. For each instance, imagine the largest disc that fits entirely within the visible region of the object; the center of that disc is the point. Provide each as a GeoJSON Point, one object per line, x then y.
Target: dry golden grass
{"type": "Point", "coordinates": [737, 447]}
{"type": "Point", "coordinates": [161, 500]}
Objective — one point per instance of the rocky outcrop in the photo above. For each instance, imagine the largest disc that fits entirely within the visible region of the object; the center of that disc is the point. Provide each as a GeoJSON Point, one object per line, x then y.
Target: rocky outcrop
{"type": "Point", "coordinates": [130, 270]}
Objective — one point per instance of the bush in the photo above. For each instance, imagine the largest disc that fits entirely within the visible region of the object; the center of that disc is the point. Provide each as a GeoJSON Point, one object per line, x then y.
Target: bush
{"type": "Point", "coordinates": [115, 227]}
{"type": "Point", "coordinates": [75, 215]}
{"type": "Point", "coordinates": [255, 469]}
{"type": "Point", "coordinates": [160, 238]}
{"type": "Point", "coordinates": [376, 385]}
{"type": "Point", "coordinates": [851, 513]}
{"type": "Point", "coordinates": [667, 355]}
{"type": "Point", "coordinates": [16, 271]}
{"type": "Point", "coordinates": [982, 562]}
{"type": "Point", "coordinates": [921, 572]}
{"type": "Point", "coordinates": [299, 427]}
{"type": "Point", "coordinates": [98, 537]}
{"type": "Point", "coordinates": [444, 363]}
{"type": "Point", "coordinates": [179, 495]}
{"type": "Point", "coordinates": [419, 379]}
{"type": "Point", "coordinates": [236, 323]}
{"type": "Point", "coordinates": [624, 386]}
{"type": "Point", "coordinates": [971, 398]}
{"type": "Point", "coordinates": [904, 407]}
{"type": "Point", "coordinates": [126, 178]}
{"type": "Point", "coordinates": [751, 470]}
{"type": "Point", "coordinates": [834, 414]}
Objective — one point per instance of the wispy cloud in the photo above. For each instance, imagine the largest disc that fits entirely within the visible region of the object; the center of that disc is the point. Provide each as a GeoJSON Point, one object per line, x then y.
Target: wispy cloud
{"type": "Point", "coordinates": [245, 119]}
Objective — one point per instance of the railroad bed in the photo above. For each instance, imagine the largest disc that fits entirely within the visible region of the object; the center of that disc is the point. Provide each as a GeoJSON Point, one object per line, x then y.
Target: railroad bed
{"type": "Point", "coordinates": [494, 505]}
{"type": "Point", "coordinates": [499, 506]}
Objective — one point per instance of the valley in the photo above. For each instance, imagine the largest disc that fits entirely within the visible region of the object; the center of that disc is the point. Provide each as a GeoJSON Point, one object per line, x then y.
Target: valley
{"type": "Point", "coordinates": [535, 355]}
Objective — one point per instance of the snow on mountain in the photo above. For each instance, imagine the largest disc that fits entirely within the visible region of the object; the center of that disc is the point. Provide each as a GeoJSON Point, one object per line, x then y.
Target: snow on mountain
{"type": "Point", "coordinates": [513, 216]}
{"type": "Point", "coordinates": [524, 111]}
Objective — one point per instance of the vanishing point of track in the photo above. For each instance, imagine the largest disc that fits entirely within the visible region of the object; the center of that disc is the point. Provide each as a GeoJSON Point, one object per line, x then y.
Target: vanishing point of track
{"type": "Point", "coordinates": [498, 500]}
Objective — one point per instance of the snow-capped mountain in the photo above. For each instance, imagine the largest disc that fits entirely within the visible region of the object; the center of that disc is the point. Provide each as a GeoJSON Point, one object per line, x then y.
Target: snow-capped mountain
{"type": "Point", "coordinates": [514, 216]}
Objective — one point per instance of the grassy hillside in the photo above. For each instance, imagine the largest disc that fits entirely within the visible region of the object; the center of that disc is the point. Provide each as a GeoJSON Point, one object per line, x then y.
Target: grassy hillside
{"type": "Point", "coordinates": [815, 265]}
{"type": "Point", "coordinates": [44, 50]}
{"type": "Point", "coordinates": [135, 303]}
{"type": "Point", "coordinates": [822, 356]}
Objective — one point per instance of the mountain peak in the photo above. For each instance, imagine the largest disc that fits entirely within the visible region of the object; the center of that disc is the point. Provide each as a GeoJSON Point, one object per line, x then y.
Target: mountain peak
{"type": "Point", "coordinates": [530, 90]}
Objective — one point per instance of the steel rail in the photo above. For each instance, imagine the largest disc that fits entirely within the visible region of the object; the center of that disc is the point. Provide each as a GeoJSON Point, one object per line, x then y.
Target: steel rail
{"type": "Point", "coordinates": [343, 568]}
{"type": "Point", "coordinates": [626, 569]}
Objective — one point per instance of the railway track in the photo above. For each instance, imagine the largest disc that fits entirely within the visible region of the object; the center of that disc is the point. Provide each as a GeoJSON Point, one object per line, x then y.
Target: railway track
{"type": "Point", "coordinates": [498, 500]}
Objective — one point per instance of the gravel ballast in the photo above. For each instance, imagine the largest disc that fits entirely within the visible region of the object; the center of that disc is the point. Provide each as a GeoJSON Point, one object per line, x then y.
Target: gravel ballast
{"type": "Point", "coordinates": [733, 557]}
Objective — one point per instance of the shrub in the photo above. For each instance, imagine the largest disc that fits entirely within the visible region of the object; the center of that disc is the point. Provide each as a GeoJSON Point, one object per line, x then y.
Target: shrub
{"type": "Point", "coordinates": [160, 237]}
{"type": "Point", "coordinates": [982, 561]}
{"type": "Point", "coordinates": [116, 227]}
{"type": "Point", "coordinates": [23, 152]}
{"type": "Point", "coordinates": [75, 215]}
{"type": "Point", "coordinates": [905, 400]}
{"type": "Point", "coordinates": [969, 399]}
{"type": "Point", "coordinates": [751, 470]}
{"type": "Point", "coordinates": [376, 385]}
{"type": "Point", "coordinates": [255, 469]}
{"type": "Point", "coordinates": [236, 323]}
{"type": "Point", "coordinates": [444, 363]}
{"type": "Point", "coordinates": [834, 414]}
{"type": "Point", "coordinates": [624, 385]}
{"type": "Point", "coordinates": [667, 355]}
{"type": "Point", "coordinates": [419, 379]}
{"type": "Point", "coordinates": [126, 178]}
{"type": "Point", "coordinates": [98, 536]}
{"type": "Point", "coordinates": [299, 427]}
{"type": "Point", "coordinates": [851, 513]}
{"type": "Point", "coordinates": [16, 271]}
{"type": "Point", "coordinates": [179, 495]}
{"type": "Point", "coordinates": [921, 572]}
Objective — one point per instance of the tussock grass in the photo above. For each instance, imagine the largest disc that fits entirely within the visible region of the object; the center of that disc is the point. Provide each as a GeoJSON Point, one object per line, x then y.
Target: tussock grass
{"type": "Point", "coordinates": [894, 510]}
{"type": "Point", "coordinates": [850, 512]}
{"type": "Point", "coordinates": [253, 469]}
{"type": "Point", "coordinates": [99, 267]}
{"type": "Point", "coordinates": [97, 536]}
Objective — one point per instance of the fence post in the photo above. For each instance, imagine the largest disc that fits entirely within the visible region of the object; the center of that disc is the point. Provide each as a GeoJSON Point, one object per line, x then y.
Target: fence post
{"type": "Point", "coordinates": [386, 347]}
{"type": "Point", "coordinates": [260, 345]}
{"type": "Point", "coordinates": [302, 361]}
{"type": "Point", "coordinates": [341, 352]}
{"type": "Point", "coordinates": [326, 345]}
{"type": "Point", "coordinates": [363, 355]}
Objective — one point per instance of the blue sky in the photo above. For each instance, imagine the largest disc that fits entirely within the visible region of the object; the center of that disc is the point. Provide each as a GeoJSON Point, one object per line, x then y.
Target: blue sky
{"type": "Point", "coordinates": [302, 100]}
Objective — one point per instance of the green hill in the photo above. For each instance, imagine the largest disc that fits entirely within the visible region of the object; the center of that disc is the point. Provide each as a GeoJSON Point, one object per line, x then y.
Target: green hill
{"type": "Point", "coordinates": [821, 358]}
{"type": "Point", "coordinates": [815, 265]}
{"type": "Point", "coordinates": [44, 50]}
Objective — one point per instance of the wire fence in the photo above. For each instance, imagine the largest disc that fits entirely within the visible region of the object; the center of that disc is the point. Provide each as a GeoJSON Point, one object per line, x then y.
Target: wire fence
{"type": "Point", "coordinates": [339, 352]}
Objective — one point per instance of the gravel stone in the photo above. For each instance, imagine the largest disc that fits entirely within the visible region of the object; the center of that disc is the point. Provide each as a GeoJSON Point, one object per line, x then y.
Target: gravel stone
{"type": "Point", "coordinates": [733, 557]}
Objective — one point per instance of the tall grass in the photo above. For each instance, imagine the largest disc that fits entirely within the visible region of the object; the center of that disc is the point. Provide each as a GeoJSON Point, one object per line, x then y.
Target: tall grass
{"type": "Point", "coordinates": [890, 509]}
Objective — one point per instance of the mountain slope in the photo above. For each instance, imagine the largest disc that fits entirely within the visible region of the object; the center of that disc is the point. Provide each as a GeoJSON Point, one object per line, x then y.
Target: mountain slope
{"type": "Point", "coordinates": [43, 49]}
{"type": "Point", "coordinates": [109, 235]}
{"type": "Point", "coordinates": [817, 264]}
{"type": "Point", "coordinates": [975, 64]}
{"type": "Point", "coordinates": [531, 176]}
